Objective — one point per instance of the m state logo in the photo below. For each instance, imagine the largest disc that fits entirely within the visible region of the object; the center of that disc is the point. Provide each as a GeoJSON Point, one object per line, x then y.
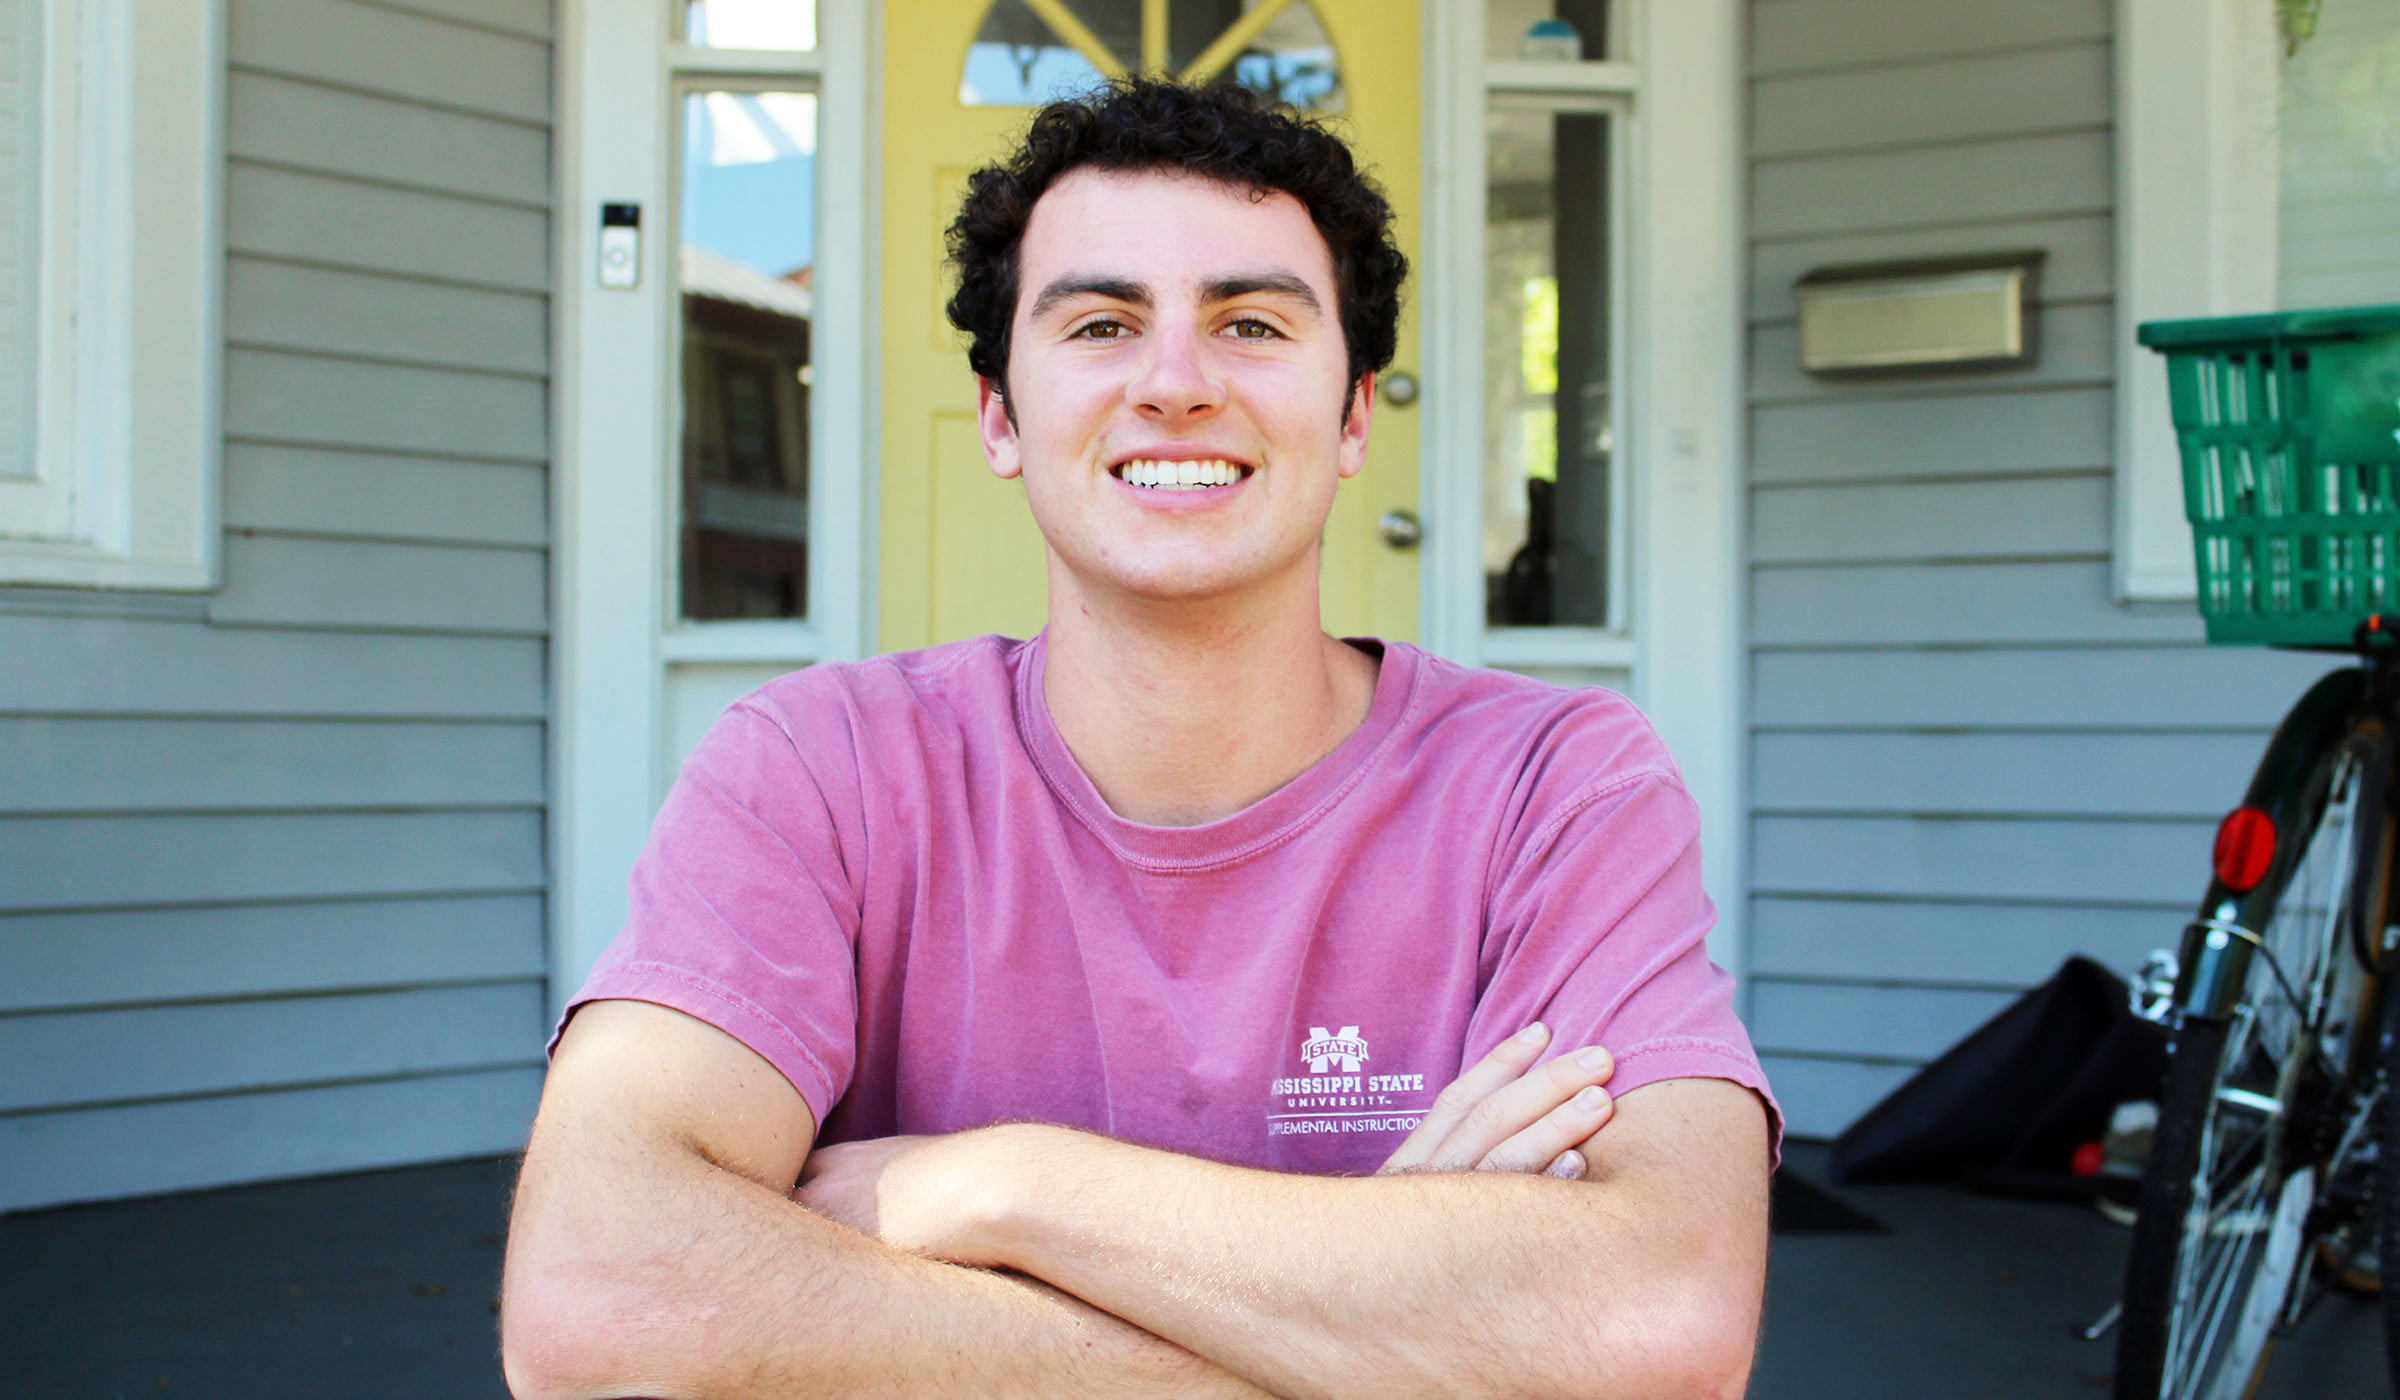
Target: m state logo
{"type": "Point", "coordinates": [1334, 1097]}
{"type": "Point", "coordinates": [1322, 1050]}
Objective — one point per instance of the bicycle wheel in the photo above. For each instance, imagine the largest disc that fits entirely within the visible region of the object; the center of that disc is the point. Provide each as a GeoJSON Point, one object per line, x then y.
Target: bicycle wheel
{"type": "Point", "coordinates": [2222, 1238]}
{"type": "Point", "coordinates": [2384, 1195]}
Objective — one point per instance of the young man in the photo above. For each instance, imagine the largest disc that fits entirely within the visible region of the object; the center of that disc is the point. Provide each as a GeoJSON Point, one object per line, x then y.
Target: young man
{"type": "Point", "coordinates": [1066, 1017]}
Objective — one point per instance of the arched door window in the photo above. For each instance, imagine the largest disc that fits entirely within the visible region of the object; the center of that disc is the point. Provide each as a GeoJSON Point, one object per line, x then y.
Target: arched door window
{"type": "Point", "coordinates": [1028, 52]}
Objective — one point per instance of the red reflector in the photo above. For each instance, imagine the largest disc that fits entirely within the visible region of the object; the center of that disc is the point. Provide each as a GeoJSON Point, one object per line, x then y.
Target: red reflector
{"type": "Point", "coordinates": [2245, 848]}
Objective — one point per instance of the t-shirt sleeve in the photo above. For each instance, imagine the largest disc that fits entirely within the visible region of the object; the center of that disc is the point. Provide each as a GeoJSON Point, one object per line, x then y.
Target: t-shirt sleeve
{"type": "Point", "coordinates": [1598, 929]}
{"type": "Point", "coordinates": [743, 911]}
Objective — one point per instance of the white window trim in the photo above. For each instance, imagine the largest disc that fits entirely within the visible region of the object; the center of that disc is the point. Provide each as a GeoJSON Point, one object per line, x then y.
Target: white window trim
{"type": "Point", "coordinates": [128, 348]}
{"type": "Point", "coordinates": [613, 483]}
{"type": "Point", "coordinates": [2197, 84]}
{"type": "Point", "coordinates": [1679, 407]}
{"type": "Point", "coordinates": [1460, 80]}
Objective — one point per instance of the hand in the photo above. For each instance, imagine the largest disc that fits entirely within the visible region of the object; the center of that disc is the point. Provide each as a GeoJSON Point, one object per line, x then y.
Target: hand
{"type": "Point", "coordinates": [921, 1194]}
{"type": "Point", "coordinates": [1504, 1116]}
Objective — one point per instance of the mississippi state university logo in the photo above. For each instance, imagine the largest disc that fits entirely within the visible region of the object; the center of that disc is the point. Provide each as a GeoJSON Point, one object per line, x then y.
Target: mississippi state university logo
{"type": "Point", "coordinates": [1322, 1050]}
{"type": "Point", "coordinates": [1336, 1095]}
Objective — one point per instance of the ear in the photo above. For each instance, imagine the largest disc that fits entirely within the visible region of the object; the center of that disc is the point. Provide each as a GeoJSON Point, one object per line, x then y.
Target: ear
{"type": "Point", "coordinates": [1354, 427]}
{"type": "Point", "coordinates": [999, 434]}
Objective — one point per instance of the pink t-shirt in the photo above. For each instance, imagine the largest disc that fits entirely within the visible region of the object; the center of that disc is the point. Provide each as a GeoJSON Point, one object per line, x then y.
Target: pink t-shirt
{"type": "Point", "coordinates": [891, 880]}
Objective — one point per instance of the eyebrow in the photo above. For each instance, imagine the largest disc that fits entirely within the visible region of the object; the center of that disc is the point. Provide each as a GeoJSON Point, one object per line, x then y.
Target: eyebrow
{"type": "Point", "coordinates": [1216, 289]}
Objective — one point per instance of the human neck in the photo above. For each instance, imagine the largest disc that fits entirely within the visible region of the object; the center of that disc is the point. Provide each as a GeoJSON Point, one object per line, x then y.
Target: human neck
{"type": "Point", "coordinates": [1189, 712]}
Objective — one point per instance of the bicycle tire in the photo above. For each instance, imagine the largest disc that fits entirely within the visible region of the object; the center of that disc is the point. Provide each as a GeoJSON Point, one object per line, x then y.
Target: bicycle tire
{"type": "Point", "coordinates": [2385, 1195]}
{"type": "Point", "coordinates": [2207, 1247]}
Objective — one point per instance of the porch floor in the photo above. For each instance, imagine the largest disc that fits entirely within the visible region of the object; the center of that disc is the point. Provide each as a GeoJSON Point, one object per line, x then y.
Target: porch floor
{"type": "Point", "coordinates": [382, 1284]}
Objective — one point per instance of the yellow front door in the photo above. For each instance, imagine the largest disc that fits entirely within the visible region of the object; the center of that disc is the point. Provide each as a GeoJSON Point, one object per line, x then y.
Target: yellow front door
{"type": "Point", "coordinates": [959, 553]}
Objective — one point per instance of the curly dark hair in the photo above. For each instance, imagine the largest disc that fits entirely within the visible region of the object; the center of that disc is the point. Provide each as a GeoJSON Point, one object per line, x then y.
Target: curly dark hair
{"type": "Point", "coordinates": [1221, 131]}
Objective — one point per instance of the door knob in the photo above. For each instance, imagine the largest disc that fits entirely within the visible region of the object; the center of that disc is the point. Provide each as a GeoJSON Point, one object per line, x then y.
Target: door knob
{"type": "Point", "coordinates": [1401, 529]}
{"type": "Point", "coordinates": [1400, 388]}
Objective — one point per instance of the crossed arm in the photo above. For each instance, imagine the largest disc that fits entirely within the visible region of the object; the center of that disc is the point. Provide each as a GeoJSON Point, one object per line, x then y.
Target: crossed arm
{"type": "Point", "coordinates": [658, 1248]}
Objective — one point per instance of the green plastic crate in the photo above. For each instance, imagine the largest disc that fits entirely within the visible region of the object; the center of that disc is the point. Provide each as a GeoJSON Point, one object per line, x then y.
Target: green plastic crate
{"type": "Point", "coordinates": [2290, 430]}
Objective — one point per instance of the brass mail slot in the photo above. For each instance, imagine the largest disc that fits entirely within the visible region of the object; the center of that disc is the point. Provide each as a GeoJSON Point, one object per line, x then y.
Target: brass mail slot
{"type": "Point", "coordinates": [1948, 313]}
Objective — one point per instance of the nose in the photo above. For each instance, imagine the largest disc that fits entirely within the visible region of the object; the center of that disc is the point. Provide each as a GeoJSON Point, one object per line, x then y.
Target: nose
{"type": "Point", "coordinates": [1173, 381]}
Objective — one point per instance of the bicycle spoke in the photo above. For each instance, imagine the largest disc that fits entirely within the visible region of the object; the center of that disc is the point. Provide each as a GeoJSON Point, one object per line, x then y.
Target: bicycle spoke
{"type": "Point", "coordinates": [2222, 1264]}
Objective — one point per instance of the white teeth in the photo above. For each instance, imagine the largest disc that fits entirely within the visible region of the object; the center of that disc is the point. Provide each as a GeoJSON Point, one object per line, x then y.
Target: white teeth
{"type": "Point", "coordinates": [1180, 476]}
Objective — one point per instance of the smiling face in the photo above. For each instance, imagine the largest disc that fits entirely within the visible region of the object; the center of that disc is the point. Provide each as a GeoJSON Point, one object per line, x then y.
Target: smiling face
{"type": "Point", "coordinates": [1177, 377]}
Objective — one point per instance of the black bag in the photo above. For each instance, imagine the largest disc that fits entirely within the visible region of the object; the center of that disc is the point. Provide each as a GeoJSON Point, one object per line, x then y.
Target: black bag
{"type": "Point", "coordinates": [2009, 1105]}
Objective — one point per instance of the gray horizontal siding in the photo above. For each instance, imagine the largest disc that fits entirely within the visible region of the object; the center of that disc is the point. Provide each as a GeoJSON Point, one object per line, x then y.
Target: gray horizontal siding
{"type": "Point", "coordinates": [392, 53]}
{"type": "Point", "coordinates": [371, 495]}
{"type": "Point", "coordinates": [1789, 36]}
{"type": "Point", "coordinates": [1978, 96]}
{"type": "Point", "coordinates": [121, 1055]}
{"type": "Point", "coordinates": [358, 136]}
{"type": "Point", "coordinates": [305, 399]}
{"type": "Point", "coordinates": [1968, 761]}
{"type": "Point", "coordinates": [272, 860]}
{"type": "Point", "coordinates": [2064, 860]}
{"type": "Point", "coordinates": [89, 763]}
{"type": "Point", "coordinates": [285, 306]}
{"type": "Point", "coordinates": [2013, 774]}
{"type": "Point", "coordinates": [1945, 435]}
{"type": "Point", "coordinates": [524, 19]}
{"type": "Point", "coordinates": [2067, 687]}
{"type": "Point", "coordinates": [115, 860]}
{"type": "Point", "coordinates": [1987, 943]}
{"type": "Point", "coordinates": [2026, 177]}
{"type": "Point", "coordinates": [96, 665]}
{"type": "Point", "coordinates": [331, 222]}
{"type": "Point", "coordinates": [1886, 522]}
{"type": "Point", "coordinates": [359, 583]}
{"type": "Point", "coordinates": [96, 1153]}
{"type": "Point", "coordinates": [2050, 601]}
{"type": "Point", "coordinates": [96, 957]}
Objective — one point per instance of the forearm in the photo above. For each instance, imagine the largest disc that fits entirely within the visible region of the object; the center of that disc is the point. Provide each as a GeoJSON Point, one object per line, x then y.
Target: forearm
{"type": "Point", "coordinates": [1437, 1284]}
{"type": "Point", "coordinates": [664, 1275]}
{"type": "Point", "coordinates": [1644, 1281]}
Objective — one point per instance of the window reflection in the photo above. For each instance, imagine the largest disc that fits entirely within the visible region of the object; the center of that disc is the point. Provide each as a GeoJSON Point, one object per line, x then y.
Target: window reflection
{"type": "Point", "coordinates": [1017, 59]}
{"type": "Point", "coordinates": [1577, 25]}
{"type": "Point", "coordinates": [745, 271]}
{"type": "Point", "coordinates": [1547, 433]}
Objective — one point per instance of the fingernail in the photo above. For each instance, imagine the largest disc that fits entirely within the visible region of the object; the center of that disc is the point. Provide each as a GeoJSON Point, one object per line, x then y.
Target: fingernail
{"type": "Point", "coordinates": [1532, 1033]}
{"type": "Point", "coordinates": [1591, 1098]}
{"type": "Point", "coordinates": [1594, 1058]}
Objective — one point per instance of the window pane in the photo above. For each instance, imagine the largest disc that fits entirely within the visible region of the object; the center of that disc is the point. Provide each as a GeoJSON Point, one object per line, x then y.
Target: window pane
{"type": "Point", "coordinates": [751, 24]}
{"type": "Point", "coordinates": [745, 270]}
{"type": "Point", "coordinates": [1547, 438]}
{"type": "Point", "coordinates": [2340, 158]}
{"type": "Point", "coordinates": [1017, 59]}
{"type": "Point", "coordinates": [1569, 29]}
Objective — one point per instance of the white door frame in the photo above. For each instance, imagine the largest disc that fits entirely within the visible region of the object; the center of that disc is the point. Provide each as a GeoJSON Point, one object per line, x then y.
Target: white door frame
{"type": "Point", "coordinates": [614, 475]}
{"type": "Point", "coordinates": [1682, 275]}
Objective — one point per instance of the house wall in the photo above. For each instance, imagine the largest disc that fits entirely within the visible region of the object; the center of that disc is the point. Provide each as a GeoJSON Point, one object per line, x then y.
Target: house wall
{"type": "Point", "coordinates": [271, 858]}
{"type": "Point", "coordinates": [1967, 760]}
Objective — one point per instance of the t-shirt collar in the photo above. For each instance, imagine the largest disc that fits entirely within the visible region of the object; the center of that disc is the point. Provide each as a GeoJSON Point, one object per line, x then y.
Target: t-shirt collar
{"type": "Point", "coordinates": [1268, 822]}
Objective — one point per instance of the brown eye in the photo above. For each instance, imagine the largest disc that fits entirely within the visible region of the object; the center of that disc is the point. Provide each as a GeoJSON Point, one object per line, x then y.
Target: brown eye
{"type": "Point", "coordinates": [1253, 330]}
